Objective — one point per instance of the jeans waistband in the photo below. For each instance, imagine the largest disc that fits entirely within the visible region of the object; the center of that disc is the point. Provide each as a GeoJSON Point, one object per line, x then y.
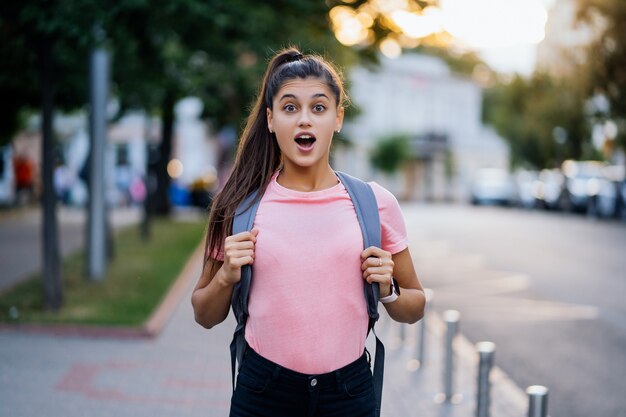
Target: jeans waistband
{"type": "Point", "coordinates": [322, 380]}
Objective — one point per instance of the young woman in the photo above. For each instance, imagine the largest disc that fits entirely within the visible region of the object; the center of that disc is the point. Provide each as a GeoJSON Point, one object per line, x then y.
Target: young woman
{"type": "Point", "coordinates": [308, 318]}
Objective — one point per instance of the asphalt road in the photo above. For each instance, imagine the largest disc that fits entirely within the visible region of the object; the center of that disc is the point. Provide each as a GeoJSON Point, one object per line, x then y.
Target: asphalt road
{"type": "Point", "coordinates": [547, 288]}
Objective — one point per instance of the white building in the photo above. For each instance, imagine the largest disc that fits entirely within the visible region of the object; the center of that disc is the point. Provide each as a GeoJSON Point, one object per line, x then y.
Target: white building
{"type": "Point", "coordinates": [418, 95]}
{"type": "Point", "coordinates": [126, 150]}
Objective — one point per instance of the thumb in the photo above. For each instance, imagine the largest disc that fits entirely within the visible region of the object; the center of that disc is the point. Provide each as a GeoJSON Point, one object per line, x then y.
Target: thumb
{"type": "Point", "coordinates": [255, 231]}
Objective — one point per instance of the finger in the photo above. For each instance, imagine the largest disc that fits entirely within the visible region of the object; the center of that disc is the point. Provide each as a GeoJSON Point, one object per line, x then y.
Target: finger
{"type": "Point", "coordinates": [375, 252]}
{"type": "Point", "coordinates": [235, 254]}
{"type": "Point", "coordinates": [239, 237]}
{"type": "Point", "coordinates": [383, 270]}
{"type": "Point", "coordinates": [373, 262]}
{"type": "Point", "coordinates": [370, 262]}
{"type": "Point", "coordinates": [239, 262]}
{"type": "Point", "coordinates": [371, 251]}
{"type": "Point", "coordinates": [255, 231]}
{"type": "Point", "coordinates": [381, 279]}
{"type": "Point", "coordinates": [246, 244]}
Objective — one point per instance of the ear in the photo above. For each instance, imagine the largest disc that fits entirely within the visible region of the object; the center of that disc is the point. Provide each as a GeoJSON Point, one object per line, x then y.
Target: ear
{"type": "Point", "coordinates": [270, 117]}
{"type": "Point", "coordinates": [340, 114]}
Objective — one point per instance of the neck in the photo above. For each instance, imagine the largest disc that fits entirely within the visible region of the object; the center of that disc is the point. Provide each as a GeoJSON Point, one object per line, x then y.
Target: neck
{"type": "Point", "coordinates": [307, 178]}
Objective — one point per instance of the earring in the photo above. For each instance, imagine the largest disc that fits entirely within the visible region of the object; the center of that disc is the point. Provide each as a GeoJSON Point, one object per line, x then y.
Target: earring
{"type": "Point", "coordinates": [338, 130]}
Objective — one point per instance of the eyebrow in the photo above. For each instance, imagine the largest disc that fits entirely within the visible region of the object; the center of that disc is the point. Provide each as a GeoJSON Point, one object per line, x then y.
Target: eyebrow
{"type": "Point", "coordinates": [317, 95]}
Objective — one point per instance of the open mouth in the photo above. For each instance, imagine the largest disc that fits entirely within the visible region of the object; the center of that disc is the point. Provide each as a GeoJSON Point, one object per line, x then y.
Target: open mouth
{"type": "Point", "coordinates": [305, 141]}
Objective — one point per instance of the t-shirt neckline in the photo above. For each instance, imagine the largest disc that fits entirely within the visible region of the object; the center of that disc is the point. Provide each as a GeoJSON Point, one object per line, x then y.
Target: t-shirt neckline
{"type": "Point", "coordinates": [304, 194]}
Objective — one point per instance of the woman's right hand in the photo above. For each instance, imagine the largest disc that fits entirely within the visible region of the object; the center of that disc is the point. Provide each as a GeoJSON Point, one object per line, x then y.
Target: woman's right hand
{"type": "Point", "coordinates": [238, 251]}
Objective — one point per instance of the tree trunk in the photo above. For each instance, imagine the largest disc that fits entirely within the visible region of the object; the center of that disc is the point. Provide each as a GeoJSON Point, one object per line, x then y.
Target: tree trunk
{"type": "Point", "coordinates": [149, 180]}
{"type": "Point", "coordinates": [52, 290]}
{"type": "Point", "coordinates": [161, 197]}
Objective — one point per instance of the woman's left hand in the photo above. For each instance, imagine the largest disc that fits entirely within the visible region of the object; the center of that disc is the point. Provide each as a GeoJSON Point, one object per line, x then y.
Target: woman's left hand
{"type": "Point", "coordinates": [377, 266]}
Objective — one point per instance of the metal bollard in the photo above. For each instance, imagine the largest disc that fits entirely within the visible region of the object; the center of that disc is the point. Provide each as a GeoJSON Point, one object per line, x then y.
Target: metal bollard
{"type": "Point", "coordinates": [418, 362]}
{"type": "Point", "coordinates": [486, 352]}
{"type": "Point", "coordinates": [537, 401]}
{"type": "Point", "coordinates": [451, 318]}
{"type": "Point", "coordinates": [421, 343]}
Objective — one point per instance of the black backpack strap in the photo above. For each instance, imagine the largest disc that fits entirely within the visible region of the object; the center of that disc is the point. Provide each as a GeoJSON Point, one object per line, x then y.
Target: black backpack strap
{"type": "Point", "coordinates": [366, 208]}
{"type": "Point", "coordinates": [243, 221]}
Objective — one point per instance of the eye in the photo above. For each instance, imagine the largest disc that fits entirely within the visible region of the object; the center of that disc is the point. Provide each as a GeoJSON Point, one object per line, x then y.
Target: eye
{"type": "Point", "coordinates": [289, 108]}
{"type": "Point", "coordinates": [319, 108]}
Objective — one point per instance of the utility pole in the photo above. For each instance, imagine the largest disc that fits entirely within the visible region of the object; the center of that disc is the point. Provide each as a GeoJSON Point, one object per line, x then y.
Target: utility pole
{"type": "Point", "coordinates": [97, 223]}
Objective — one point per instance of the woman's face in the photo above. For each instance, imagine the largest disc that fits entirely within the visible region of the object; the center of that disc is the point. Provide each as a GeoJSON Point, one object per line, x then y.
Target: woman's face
{"type": "Point", "coordinates": [304, 117]}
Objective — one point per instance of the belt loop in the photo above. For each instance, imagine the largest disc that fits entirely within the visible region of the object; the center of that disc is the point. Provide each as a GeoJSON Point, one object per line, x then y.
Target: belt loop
{"type": "Point", "coordinates": [338, 379]}
{"type": "Point", "coordinates": [276, 373]}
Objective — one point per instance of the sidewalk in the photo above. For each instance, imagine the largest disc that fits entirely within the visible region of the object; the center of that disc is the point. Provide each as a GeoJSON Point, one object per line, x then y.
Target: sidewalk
{"type": "Point", "coordinates": [185, 371]}
{"type": "Point", "coordinates": [21, 236]}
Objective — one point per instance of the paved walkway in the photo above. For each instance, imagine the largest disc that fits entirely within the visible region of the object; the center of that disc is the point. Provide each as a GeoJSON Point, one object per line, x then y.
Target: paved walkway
{"type": "Point", "coordinates": [21, 235]}
{"type": "Point", "coordinates": [185, 371]}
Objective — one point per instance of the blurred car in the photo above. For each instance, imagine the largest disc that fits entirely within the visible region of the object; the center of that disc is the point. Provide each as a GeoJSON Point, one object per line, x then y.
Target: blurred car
{"type": "Point", "coordinates": [582, 182]}
{"type": "Point", "coordinates": [611, 190]}
{"type": "Point", "coordinates": [492, 186]}
{"type": "Point", "coordinates": [549, 187]}
{"type": "Point", "coordinates": [527, 183]}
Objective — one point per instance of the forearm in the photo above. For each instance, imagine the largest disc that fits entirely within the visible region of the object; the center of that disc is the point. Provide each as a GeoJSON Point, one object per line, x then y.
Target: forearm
{"type": "Point", "coordinates": [212, 302]}
{"type": "Point", "coordinates": [408, 307]}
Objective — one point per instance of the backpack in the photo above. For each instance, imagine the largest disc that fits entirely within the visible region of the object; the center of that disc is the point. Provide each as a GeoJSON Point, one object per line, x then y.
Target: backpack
{"type": "Point", "coordinates": [366, 208]}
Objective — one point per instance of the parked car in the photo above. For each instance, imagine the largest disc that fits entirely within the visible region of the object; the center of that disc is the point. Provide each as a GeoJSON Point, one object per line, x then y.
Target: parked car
{"type": "Point", "coordinates": [527, 183]}
{"type": "Point", "coordinates": [582, 182]}
{"type": "Point", "coordinates": [549, 187]}
{"type": "Point", "coordinates": [492, 186]}
{"type": "Point", "coordinates": [608, 202]}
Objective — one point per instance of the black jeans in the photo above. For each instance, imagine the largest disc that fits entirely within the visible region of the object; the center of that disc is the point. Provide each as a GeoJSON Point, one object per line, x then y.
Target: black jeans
{"type": "Point", "coordinates": [265, 389]}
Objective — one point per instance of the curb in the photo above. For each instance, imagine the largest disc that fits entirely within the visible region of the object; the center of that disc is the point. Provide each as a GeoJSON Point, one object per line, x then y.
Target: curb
{"type": "Point", "coordinates": [151, 328]}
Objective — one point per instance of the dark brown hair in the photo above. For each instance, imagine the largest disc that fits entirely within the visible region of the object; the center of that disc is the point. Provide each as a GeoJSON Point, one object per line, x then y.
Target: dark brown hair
{"type": "Point", "coordinates": [258, 155]}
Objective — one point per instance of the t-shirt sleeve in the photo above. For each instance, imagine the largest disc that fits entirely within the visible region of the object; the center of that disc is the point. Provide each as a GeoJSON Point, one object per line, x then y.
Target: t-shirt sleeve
{"type": "Point", "coordinates": [394, 237]}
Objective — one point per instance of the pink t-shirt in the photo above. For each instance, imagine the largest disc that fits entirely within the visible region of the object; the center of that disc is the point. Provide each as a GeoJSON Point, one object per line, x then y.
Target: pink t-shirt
{"type": "Point", "coordinates": [307, 307]}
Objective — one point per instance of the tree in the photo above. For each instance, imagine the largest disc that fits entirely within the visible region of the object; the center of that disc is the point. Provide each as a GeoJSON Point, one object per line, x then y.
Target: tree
{"type": "Point", "coordinates": [526, 112]}
{"type": "Point", "coordinates": [214, 50]}
{"type": "Point", "coordinates": [390, 153]}
{"type": "Point", "coordinates": [607, 56]}
{"type": "Point", "coordinates": [23, 25]}
{"type": "Point", "coordinates": [40, 60]}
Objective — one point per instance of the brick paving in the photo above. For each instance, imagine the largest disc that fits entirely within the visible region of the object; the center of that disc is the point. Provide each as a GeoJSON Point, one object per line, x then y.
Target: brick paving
{"type": "Point", "coordinates": [185, 371]}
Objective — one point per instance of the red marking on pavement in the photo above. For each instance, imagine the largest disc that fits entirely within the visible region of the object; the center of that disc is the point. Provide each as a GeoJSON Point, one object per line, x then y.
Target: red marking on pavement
{"type": "Point", "coordinates": [81, 378]}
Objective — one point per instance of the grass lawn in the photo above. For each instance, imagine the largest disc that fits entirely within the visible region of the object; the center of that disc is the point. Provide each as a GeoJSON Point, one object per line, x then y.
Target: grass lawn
{"type": "Point", "coordinates": [137, 279]}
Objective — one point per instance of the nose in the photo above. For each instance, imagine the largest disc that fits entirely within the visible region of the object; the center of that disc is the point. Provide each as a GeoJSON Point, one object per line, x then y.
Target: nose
{"type": "Point", "coordinates": [305, 118]}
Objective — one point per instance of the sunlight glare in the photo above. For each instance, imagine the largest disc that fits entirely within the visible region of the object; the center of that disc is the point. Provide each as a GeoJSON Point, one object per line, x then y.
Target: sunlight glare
{"type": "Point", "coordinates": [418, 25]}
{"type": "Point", "coordinates": [175, 168]}
{"type": "Point", "coordinates": [390, 48]}
{"type": "Point", "coordinates": [495, 23]}
{"type": "Point", "coordinates": [349, 28]}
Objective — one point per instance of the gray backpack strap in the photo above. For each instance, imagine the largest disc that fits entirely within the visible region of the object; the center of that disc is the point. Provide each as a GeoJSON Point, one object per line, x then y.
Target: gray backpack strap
{"type": "Point", "coordinates": [243, 221]}
{"type": "Point", "coordinates": [366, 208]}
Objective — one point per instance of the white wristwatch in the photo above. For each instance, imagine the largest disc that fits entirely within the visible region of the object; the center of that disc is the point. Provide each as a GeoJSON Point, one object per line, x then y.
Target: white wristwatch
{"type": "Point", "coordinates": [395, 293]}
